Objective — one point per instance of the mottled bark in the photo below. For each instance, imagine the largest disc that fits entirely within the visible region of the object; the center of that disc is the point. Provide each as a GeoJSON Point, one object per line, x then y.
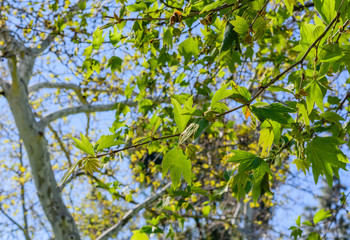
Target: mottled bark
{"type": "Point", "coordinates": [35, 143]}
{"type": "Point", "coordinates": [21, 61]}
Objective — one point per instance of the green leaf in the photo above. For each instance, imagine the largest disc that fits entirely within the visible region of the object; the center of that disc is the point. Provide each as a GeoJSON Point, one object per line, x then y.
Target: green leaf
{"type": "Point", "coordinates": [298, 220]}
{"type": "Point", "coordinates": [168, 38]}
{"type": "Point", "coordinates": [181, 120]}
{"type": "Point", "coordinates": [241, 95]}
{"type": "Point", "coordinates": [330, 53]}
{"type": "Point", "coordinates": [276, 127]}
{"type": "Point", "coordinates": [202, 125]}
{"type": "Point", "coordinates": [230, 38]}
{"type": "Point", "coordinates": [240, 179]}
{"type": "Point", "coordinates": [177, 163]}
{"type": "Point", "coordinates": [84, 145]}
{"type": "Point", "coordinates": [60, 24]}
{"type": "Point", "coordinates": [308, 223]}
{"type": "Point", "coordinates": [275, 111]}
{"type": "Point", "coordinates": [91, 65]}
{"type": "Point", "coordinates": [240, 155]}
{"type": "Point", "coordinates": [314, 236]}
{"type": "Point", "coordinates": [69, 172]}
{"type": "Point", "coordinates": [98, 38]}
{"type": "Point", "coordinates": [290, 5]}
{"type": "Point", "coordinates": [247, 161]}
{"type": "Point", "coordinates": [259, 27]}
{"type": "Point", "coordinates": [137, 235]}
{"type": "Point", "coordinates": [88, 51]}
{"type": "Point", "coordinates": [240, 25]}
{"type": "Point", "coordinates": [115, 36]}
{"type": "Point", "coordinates": [261, 170]}
{"type": "Point", "coordinates": [115, 63]}
{"type": "Point", "coordinates": [220, 94]}
{"type": "Point", "coordinates": [91, 165]}
{"type": "Point", "coordinates": [321, 215]}
{"type": "Point", "coordinates": [266, 140]}
{"type": "Point", "coordinates": [301, 165]}
{"type": "Point", "coordinates": [306, 39]}
{"type": "Point", "coordinates": [206, 210]}
{"type": "Point", "coordinates": [333, 117]}
{"type": "Point", "coordinates": [326, 9]}
{"type": "Point", "coordinates": [296, 232]}
{"type": "Point", "coordinates": [303, 112]}
{"type": "Point", "coordinates": [213, 5]}
{"type": "Point", "coordinates": [315, 95]}
{"type": "Point", "coordinates": [324, 156]}
{"type": "Point", "coordinates": [256, 191]}
{"type": "Point", "coordinates": [140, 6]}
{"type": "Point", "coordinates": [107, 141]}
{"type": "Point", "coordinates": [189, 48]}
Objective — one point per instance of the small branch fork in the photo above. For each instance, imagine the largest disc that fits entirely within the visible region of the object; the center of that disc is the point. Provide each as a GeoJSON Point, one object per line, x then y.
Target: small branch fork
{"type": "Point", "coordinates": [192, 14]}
{"type": "Point", "coordinates": [261, 90]}
{"type": "Point", "coordinates": [131, 213]}
{"type": "Point", "coordinates": [275, 79]}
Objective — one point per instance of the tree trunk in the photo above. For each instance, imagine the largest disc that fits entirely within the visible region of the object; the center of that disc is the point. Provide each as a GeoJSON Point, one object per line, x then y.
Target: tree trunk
{"type": "Point", "coordinates": [33, 135]}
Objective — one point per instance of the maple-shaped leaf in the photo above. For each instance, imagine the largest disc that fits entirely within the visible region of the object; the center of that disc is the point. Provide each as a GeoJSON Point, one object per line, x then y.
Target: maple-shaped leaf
{"type": "Point", "coordinates": [325, 157]}
{"type": "Point", "coordinates": [181, 120]}
{"type": "Point", "coordinates": [266, 140]}
{"type": "Point", "coordinates": [247, 161]}
{"type": "Point", "coordinates": [302, 165]}
{"type": "Point", "coordinates": [321, 215]}
{"type": "Point", "coordinates": [275, 111]}
{"type": "Point", "coordinates": [315, 95]}
{"type": "Point", "coordinates": [176, 161]}
{"type": "Point", "coordinates": [84, 144]}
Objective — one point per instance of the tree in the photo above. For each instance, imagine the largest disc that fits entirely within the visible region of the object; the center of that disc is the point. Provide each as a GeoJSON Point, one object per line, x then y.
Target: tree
{"type": "Point", "coordinates": [227, 95]}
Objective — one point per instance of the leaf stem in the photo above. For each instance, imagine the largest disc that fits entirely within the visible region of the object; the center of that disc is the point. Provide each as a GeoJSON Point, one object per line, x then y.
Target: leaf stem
{"type": "Point", "coordinates": [275, 79]}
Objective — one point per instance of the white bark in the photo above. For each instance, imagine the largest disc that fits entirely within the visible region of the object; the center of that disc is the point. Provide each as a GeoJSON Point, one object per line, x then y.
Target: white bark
{"type": "Point", "coordinates": [80, 109]}
{"type": "Point", "coordinates": [98, 108]}
{"type": "Point", "coordinates": [35, 143]}
{"type": "Point", "coordinates": [21, 61]}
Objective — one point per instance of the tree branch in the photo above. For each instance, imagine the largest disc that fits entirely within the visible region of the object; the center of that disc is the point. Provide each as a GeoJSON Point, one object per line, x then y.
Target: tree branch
{"type": "Point", "coordinates": [275, 79]}
{"type": "Point", "coordinates": [99, 108]}
{"type": "Point", "coordinates": [14, 222]}
{"type": "Point", "coordinates": [341, 104]}
{"type": "Point", "coordinates": [81, 109]}
{"type": "Point", "coordinates": [67, 86]}
{"type": "Point", "coordinates": [12, 45]}
{"type": "Point", "coordinates": [192, 14]}
{"type": "Point", "coordinates": [131, 213]}
{"type": "Point", "coordinates": [50, 38]}
{"type": "Point", "coordinates": [4, 86]}
{"type": "Point", "coordinates": [138, 145]}
{"type": "Point", "coordinates": [60, 142]}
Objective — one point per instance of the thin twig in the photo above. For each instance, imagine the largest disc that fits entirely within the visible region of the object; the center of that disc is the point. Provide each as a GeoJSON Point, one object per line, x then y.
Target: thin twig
{"type": "Point", "coordinates": [137, 145]}
{"type": "Point", "coordinates": [258, 14]}
{"type": "Point", "coordinates": [131, 213]}
{"type": "Point", "coordinates": [275, 79]}
{"type": "Point", "coordinates": [335, 215]}
{"type": "Point", "coordinates": [184, 17]}
{"type": "Point", "coordinates": [343, 101]}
